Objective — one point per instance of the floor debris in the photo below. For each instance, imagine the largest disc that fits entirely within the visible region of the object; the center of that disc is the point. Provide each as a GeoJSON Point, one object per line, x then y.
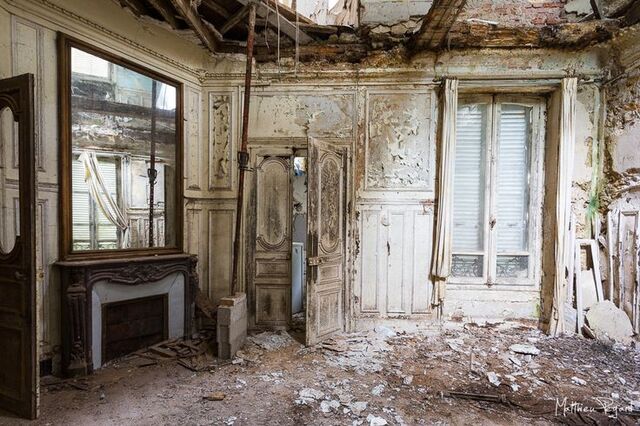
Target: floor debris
{"type": "Point", "coordinates": [275, 380]}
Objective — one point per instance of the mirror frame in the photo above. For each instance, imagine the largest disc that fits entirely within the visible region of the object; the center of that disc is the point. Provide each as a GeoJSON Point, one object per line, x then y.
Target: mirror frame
{"type": "Point", "coordinates": [65, 43]}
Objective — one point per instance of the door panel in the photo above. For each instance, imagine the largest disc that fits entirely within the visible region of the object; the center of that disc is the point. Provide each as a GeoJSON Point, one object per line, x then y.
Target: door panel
{"type": "Point", "coordinates": [18, 360]}
{"type": "Point", "coordinates": [326, 241]}
{"type": "Point", "coordinates": [272, 281]}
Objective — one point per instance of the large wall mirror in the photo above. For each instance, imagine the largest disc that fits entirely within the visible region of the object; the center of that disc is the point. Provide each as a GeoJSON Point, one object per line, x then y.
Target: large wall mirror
{"type": "Point", "coordinates": [121, 139]}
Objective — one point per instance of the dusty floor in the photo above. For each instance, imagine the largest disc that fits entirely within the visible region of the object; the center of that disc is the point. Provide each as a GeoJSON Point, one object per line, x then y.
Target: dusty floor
{"type": "Point", "coordinates": [368, 378]}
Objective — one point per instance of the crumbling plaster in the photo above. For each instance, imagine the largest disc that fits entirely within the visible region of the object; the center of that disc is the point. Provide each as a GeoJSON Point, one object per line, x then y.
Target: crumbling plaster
{"type": "Point", "coordinates": [314, 98]}
{"type": "Point", "coordinates": [622, 131]}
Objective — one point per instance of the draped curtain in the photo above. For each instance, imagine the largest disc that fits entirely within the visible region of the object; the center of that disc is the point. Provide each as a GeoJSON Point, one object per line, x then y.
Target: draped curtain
{"type": "Point", "coordinates": [99, 191]}
{"type": "Point", "coordinates": [441, 266]}
{"type": "Point", "coordinates": [563, 249]}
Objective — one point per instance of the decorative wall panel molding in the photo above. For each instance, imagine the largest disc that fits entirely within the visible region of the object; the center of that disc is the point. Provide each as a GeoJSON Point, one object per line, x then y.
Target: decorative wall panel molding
{"type": "Point", "coordinates": [399, 143]}
{"type": "Point", "coordinates": [395, 255]}
{"type": "Point", "coordinates": [27, 57]}
{"type": "Point", "coordinates": [221, 140]}
{"type": "Point", "coordinates": [193, 145]}
{"type": "Point", "coordinates": [285, 114]}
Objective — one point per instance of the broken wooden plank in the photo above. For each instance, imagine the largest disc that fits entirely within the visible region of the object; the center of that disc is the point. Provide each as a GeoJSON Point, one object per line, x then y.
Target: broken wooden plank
{"type": "Point", "coordinates": [610, 249]}
{"type": "Point", "coordinates": [597, 10]}
{"type": "Point", "coordinates": [168, 353]}
{"type": "Point", "coordinates": [274, 18]}
{"type": "Point", "coordinates": [135, 6]}
{"type": "Point", "coordinates": [579, 311]}
{"type": "Point", "coordinates": [206, 33]}
{"type": "Point", "coordinates": [235, 19]}
{"type": "Point", "coordinates": [477, 396]}
{"type": "Point", "coordinates": [163, 7]}
{"type": "Point", "coordinates": [438, 22]}
{"type": "Point", "coordinates": [216, 8]}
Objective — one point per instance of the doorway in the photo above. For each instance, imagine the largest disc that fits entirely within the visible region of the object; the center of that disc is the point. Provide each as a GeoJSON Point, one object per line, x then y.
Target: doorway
{"type": "Point", "coordinates": [299, 246]}
{"type": "Point", "coordinates": [296, 239]}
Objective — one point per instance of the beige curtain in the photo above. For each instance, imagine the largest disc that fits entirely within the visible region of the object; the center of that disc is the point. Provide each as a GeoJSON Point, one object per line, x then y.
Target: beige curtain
{"type": "Point", "coordinates": [344, 12]}
{"type": "Point", "coordinates": [441, 266]}
{"type": "Point", "coordinates": [99, 191]}
{"type": "Point", "coordinates": [563, 249]}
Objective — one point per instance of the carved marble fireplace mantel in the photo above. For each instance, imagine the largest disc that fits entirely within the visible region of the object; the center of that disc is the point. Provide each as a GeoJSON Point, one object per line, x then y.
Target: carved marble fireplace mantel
{"type": "Point", "coordinates": [78, 279]}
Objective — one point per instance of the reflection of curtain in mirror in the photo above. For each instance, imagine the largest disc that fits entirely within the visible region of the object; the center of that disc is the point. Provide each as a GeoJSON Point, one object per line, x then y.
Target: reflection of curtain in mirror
{"type": "Point", "coordinates": [100, 194]}
{"type": "Point", "coordinates": [166, 97]}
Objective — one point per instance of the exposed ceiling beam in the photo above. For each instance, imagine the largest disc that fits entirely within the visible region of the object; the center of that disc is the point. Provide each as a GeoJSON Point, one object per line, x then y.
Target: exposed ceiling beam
{"type": "Point", "coordinates": [438, 22]}
{"type": "Point", "coordinates": [134, 6]}
{"type": "Point", "coordinates": [204, 30]}
{"type": "Point", "coordinates": [597, 10]}
{"type": "Point", "coordinates": [211, 4]}
{"type": "Point", "coordinates": [235, 19]}
{"type": "Point", "coordinates": [633, 14]}
{"type": "Point", "coordinates": [287, 27]}
{"type": "Point", "coordinates": [166, 11]}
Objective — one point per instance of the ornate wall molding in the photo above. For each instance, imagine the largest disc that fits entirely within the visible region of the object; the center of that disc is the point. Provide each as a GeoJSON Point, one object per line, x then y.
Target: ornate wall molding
{"type": "Point", "coordinates": [51, 6]}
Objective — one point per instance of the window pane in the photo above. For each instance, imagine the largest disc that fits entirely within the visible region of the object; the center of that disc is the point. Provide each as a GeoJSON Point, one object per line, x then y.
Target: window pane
{"type": "Point", "coordinates": [466, 266]}
{"type": "Point", "coordinates": [512, 266]}
{"type": "Point", "coordinates": [512, 206]}
{"type": "Point", "coordinates": [469, 179]}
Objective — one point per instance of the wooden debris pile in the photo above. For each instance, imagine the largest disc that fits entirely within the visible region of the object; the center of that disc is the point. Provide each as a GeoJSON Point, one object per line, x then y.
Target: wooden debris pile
{"type": "Point", "coordinates": [196, 354]}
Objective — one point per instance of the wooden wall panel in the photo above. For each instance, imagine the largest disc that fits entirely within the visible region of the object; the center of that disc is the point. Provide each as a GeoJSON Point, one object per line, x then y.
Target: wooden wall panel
{"type": "Point", "coordinates": [392, 273]}
{"type": "Point", "coordinates": [220, 247]}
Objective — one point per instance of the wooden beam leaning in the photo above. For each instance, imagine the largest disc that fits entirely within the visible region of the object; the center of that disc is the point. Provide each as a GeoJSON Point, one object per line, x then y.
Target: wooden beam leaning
{"type": "Point", "coordinates": [437, 23]}
{"type": "Point", "coordinates": [235, 19]}
{"type": "Point", "coordinates": [166, 11]}
{"type": "Point", "coordinates": [204, 30]}
{"type": "Point", "coordinates": [243, 154]}
{"type": "Point", "coordinates": [287, 27]}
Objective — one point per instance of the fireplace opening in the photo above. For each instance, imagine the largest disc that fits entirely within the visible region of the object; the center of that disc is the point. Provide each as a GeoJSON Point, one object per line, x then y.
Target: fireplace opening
{"type": "Point", "coordinates": [133, 324]}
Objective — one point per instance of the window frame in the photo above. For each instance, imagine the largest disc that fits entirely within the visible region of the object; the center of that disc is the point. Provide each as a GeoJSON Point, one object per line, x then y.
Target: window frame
{"type": "Point", "coordinates": [64, 45]}
{"type": "Point", "coordinates": [536, 161]}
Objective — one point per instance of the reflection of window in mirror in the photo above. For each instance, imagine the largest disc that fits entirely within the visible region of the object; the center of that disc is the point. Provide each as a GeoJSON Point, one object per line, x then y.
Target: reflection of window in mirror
{"type": "Point", "coordinates": [123, 136]}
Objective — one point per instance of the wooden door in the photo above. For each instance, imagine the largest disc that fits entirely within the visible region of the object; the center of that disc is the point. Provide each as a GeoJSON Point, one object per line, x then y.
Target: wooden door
{"type": "Point", "coordinates": [18, 368]}
{"type": "Point", "coordinates": [271, 289]}
{"type": "Point", "coordinates": [326, 240]}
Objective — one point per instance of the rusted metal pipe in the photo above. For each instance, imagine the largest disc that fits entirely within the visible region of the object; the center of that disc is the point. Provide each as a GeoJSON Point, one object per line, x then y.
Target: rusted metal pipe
{"type": "Point", "coordinates": [243, 154]}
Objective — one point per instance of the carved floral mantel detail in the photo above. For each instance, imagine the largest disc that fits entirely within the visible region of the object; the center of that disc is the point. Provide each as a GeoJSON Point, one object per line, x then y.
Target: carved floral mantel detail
{"type": "Point", "coordinates": [78, 278]}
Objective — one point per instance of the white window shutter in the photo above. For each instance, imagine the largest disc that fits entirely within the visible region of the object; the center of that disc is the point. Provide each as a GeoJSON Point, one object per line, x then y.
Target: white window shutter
{"type": "Point", "coordinates": [512, 178]}
{"type": "Point", "coordinates": [469, 179]}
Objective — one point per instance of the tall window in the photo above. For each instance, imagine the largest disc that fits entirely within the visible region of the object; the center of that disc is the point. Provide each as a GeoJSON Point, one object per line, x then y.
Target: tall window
{"type": "Point", "coordinates": [495, 183]}
{"type": "Point", "coordinates": [91, 228]}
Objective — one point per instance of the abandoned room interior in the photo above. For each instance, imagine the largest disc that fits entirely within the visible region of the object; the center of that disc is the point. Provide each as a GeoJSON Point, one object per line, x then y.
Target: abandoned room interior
{"type": "Point", "coordinates": [336, 212]}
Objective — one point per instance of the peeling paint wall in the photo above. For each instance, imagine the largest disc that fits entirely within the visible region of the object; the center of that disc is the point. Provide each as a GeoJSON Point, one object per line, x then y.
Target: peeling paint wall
{"type": "Point", "coordinates": [388, 116]}
{"type": "Point", "coordinates": [620, 197]}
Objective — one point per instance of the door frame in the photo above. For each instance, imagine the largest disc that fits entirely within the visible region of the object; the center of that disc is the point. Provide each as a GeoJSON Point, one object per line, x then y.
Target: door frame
{"type": "Point", "coordinates": [18, 96]}
{"type": "Point", "coordinates": [278, 146]}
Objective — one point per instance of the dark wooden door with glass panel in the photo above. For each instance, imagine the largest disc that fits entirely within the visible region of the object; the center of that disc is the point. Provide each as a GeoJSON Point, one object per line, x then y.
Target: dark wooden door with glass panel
{"type": "Point", "coordinates": [18, 368]}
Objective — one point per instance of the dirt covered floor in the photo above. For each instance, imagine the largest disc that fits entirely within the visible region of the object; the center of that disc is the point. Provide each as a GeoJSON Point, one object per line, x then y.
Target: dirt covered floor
{"type": "Point", "coordinates": [461, 374]}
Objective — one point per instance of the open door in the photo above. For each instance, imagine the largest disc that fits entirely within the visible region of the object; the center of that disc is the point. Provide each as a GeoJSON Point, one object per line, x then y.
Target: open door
{"type": "Point", "coordinates": [18, 368]}
{"type": "Point", "coordinates": [326, 240]}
